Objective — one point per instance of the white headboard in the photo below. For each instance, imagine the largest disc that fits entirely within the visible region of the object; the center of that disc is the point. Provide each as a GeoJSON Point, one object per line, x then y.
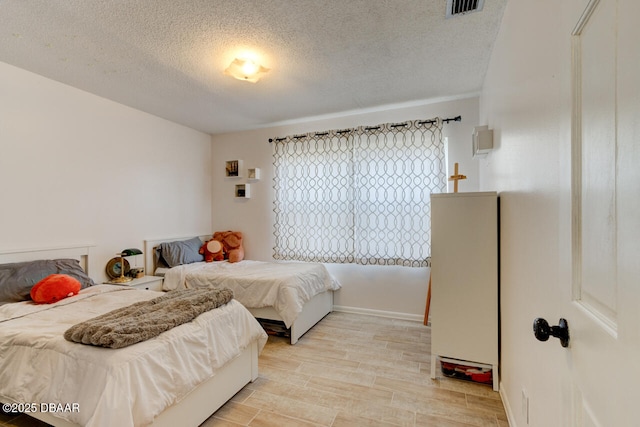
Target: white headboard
{"type": "Point", "coordinates": [151, 245]}
{"type": "Point", "coordinates": [79, 252]}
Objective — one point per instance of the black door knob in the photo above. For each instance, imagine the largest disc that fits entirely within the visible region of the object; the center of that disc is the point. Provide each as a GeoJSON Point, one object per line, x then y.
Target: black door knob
{"type": "Point", "coordinates": [542, 331]}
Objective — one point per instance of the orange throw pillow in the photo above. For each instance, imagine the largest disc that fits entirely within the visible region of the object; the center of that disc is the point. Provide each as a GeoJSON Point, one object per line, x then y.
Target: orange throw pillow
{"type": "Point", "coordinates": [53, 288]}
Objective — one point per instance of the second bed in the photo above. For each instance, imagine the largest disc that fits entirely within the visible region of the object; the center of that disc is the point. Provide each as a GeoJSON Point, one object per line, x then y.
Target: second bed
{"type": "Point", "coordinates": [296, 293]}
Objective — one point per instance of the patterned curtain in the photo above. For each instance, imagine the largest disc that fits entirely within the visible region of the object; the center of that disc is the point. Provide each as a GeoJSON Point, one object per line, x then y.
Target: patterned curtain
{"type": "Point", "coordinates": [358, 195]}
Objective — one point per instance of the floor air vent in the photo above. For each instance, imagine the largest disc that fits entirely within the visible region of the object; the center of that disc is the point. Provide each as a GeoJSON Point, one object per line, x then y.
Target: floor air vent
{"type": "Point", "coordinates": [461, 7]}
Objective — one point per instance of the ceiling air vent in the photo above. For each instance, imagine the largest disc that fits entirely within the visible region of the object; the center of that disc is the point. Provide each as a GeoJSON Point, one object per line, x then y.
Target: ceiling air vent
{"type": "Point", "coordinates": [461, 7]}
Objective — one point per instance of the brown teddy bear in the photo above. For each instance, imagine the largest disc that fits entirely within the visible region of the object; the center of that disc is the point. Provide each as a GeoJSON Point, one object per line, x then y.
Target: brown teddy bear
{"type": "Point", "coordinates": [232, 243]}
{"type": "Point", "coordinates": [212, 250]}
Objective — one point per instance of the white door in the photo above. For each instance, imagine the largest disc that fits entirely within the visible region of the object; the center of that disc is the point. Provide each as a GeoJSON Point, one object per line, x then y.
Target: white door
{"type": "Point", "coordinates": [603, 312]}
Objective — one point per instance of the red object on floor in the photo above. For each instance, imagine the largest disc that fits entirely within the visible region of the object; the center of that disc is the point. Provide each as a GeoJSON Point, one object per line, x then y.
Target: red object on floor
{"type": "Point", "coordinates": [468, 373]}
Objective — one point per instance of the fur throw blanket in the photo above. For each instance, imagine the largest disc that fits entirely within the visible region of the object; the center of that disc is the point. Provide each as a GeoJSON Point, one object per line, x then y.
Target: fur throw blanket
{"type": "Point", "coordinates": [147, 319]}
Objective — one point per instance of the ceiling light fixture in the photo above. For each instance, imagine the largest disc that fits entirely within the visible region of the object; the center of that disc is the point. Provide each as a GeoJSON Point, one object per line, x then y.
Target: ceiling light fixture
{"type": "Point", "coordinates": [246, 70]}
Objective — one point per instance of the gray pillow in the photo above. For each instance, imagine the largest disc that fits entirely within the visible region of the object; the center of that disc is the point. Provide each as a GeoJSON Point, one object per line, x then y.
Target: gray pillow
{"type": "Point", "coordinates": [17, 279]}
{"type": "Point", "coordinates": [181, 252]}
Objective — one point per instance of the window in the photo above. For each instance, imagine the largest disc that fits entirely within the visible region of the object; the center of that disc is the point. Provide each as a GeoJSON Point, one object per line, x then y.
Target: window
{"type": "Point", "coordinates": [358, 195]}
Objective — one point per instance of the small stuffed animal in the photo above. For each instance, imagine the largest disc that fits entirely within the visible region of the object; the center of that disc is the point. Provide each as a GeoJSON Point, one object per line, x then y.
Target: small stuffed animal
{"type": "Point", "coordinates": [232, 243]}
{"type": "Point", "coordinates": [212, 251]}
{"type": "Point", "coordinates": [53, 288]}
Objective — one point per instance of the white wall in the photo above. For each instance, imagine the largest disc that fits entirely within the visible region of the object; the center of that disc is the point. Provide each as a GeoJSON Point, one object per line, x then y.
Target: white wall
{"type": "Point", "coordinates": [76, 168]}
{"type": "Point", "coordinates": [527, 100]}
{"type": "Point", "coordinates": [397, 291]}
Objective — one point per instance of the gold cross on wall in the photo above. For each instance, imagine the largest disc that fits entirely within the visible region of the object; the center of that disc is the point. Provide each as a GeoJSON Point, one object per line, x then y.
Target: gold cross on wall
{"type": "Point", "coordinates": [456, 177]}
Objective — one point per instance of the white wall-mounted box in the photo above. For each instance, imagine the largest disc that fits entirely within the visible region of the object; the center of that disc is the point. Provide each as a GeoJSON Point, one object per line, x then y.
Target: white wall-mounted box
{"type": "Point", "coordinates": [233, 168]}
{"type": "Point", "coordinates": [243, 191]}
{"type": "Point", "coordinates": [253, 174]}
{"type": "Point", "coordinates": [482, 140]}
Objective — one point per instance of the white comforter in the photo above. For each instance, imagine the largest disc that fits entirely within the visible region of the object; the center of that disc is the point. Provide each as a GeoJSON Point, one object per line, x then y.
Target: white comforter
{"type": "Point", "coordinates": [285, 286]}
{"type": "Point", "coordinates": [124, 387]}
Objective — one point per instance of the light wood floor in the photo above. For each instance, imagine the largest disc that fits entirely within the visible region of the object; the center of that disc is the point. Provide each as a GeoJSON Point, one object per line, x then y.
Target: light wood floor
{"type": "Point", "coordinates": [355, 370]}
{"type": "Point", "coordinates": [351, 370]}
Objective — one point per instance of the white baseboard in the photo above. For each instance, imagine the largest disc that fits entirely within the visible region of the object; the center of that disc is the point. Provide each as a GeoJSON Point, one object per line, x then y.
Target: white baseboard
{"type": "Point", "coordinates": [507, 406]}
{"type": "Point", "coordinates": [379, 313]}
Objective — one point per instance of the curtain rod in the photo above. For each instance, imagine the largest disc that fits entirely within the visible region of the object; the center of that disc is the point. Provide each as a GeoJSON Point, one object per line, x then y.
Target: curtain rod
{"type": "Point", "coordinates": [450, 119]}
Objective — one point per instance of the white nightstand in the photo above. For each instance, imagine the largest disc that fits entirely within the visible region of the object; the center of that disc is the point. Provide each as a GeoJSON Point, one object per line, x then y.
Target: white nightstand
{"type": "Point", "coordinates": [150, 283]}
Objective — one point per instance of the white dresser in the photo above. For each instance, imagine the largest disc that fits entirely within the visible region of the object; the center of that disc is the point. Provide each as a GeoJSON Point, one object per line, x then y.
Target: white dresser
{"type": "Point", "coordinates": [464, 280]}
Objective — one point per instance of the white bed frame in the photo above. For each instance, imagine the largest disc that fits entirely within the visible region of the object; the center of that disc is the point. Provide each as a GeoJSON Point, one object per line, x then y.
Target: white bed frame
{"type": "Point", "coordinates": [312, 312]}
{"type": "Point", "coordinates": [196, 406]}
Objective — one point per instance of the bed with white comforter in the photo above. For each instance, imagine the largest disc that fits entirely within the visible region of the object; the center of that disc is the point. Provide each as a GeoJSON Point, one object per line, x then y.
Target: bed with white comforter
{"type": "Point", "coordinates": [123, 387]}
{"type": "Point", "coordinates": [285, 286]}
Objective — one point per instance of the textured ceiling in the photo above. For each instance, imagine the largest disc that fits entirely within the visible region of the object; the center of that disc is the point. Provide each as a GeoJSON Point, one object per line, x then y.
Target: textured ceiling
{"type": "Point", "coordinates": [167, 57]}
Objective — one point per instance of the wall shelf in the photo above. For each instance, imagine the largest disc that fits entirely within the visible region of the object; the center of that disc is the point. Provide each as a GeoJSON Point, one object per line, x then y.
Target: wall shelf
{"type": "Point", "coordinates": [232, 168]}
{"type": "Point", "coordinates": [253, 174]}
{"type": "Point", "coordinates": [243, 191]}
